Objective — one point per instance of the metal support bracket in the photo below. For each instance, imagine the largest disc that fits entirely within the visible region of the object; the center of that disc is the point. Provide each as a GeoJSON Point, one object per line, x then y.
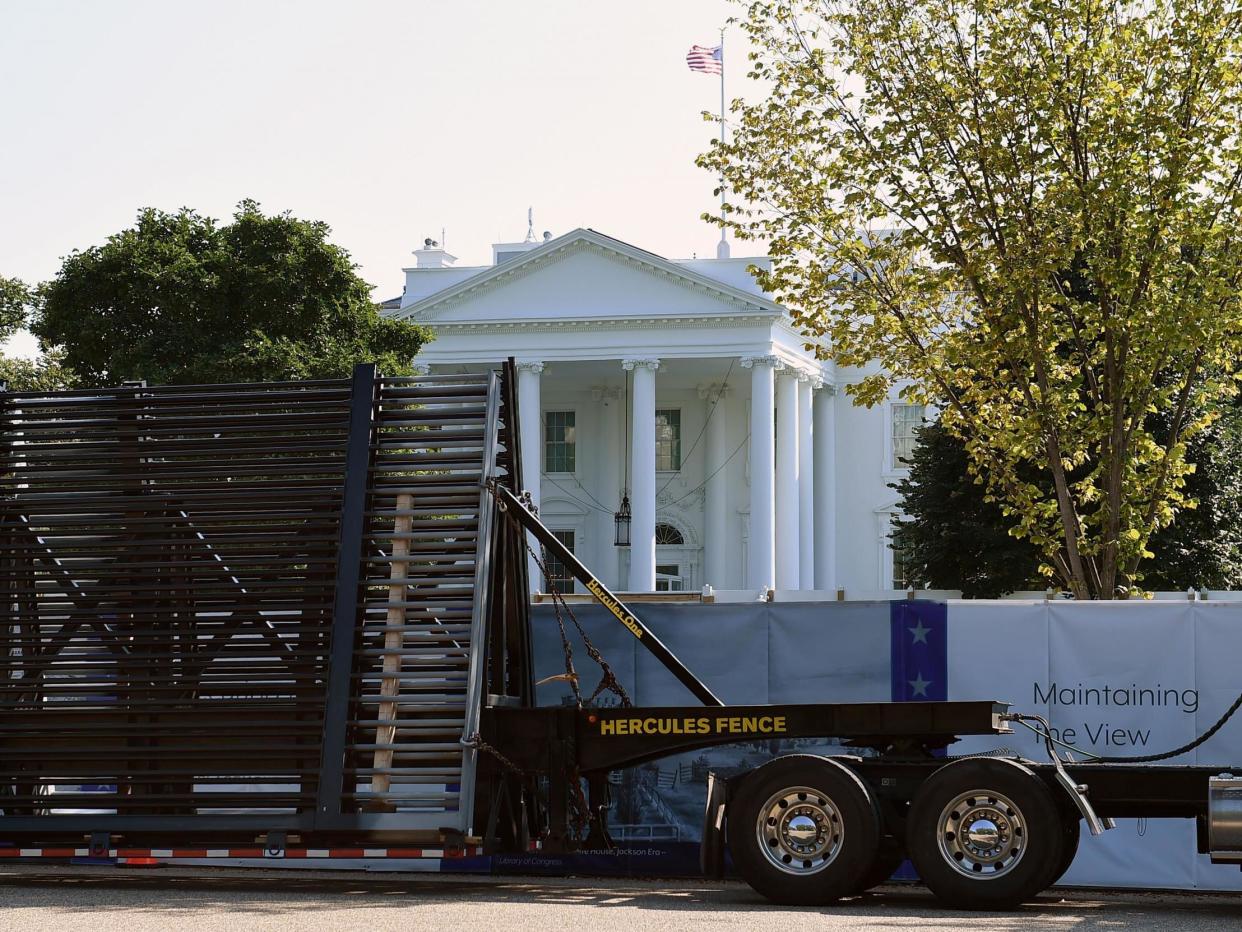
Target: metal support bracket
{"type": "Point", "coordinates": [1077, 791]}
{"type": "Point", "coordinates": [1078, 795]}
{"type": "Point", "coordinates": [452, 839]}
{"type": "Point", "coordinates": [275, 844]}
{"type": "Point", "coordinates": [599, 802]}
{"type": "Point", "coordinates": [712, 844]}
{"type": "Point", "coordinates": [345, 612]}
{"type": "Point", "coordinates": [100, 844]}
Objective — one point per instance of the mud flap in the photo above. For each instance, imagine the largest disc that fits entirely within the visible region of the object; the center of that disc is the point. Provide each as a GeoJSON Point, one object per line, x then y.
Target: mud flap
{"type": "Point", "coordinates": [712, 847]}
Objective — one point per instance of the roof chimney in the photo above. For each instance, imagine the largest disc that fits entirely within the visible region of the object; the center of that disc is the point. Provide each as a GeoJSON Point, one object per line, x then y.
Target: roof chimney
{"type": "Point", "coordinates": [433, 256]}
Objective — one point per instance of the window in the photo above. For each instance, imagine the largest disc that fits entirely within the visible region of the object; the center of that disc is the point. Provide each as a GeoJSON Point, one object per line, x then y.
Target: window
{"type": "Point", "coordinates": [560, 444]}
{"type": "Point", "coordinates": [668, 576]}
{"type": "Point", "coordinates": [667, 534]}
{"type": "Point", "coordinates": [905, 572]}
{"type": "Point", "coordinates": [558, 574]}
{"type": "Point", "coordinates": [907, 419]}
{"type": "Point", "coordinates": [901, 569]}
{"type": "Point", "coordinates": [668, 440]}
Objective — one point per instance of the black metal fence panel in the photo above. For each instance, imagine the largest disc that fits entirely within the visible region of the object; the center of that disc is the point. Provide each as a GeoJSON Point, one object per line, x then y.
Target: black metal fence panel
{"type": "Point", "coordinates": [167, 562]}
{"type": "Point", "coordinates": [252, 605]}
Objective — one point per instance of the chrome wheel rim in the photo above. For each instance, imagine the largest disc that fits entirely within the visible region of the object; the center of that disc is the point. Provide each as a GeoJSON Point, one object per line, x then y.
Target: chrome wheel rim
{"type": "Point", "coordinates": [799, 830]}
{"type": "Point", "coordinates": [983, 835]}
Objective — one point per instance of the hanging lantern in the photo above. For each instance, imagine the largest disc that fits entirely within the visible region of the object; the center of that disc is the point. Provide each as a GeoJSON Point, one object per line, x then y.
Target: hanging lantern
{"type": "Point", "coordinates": [622, 521]}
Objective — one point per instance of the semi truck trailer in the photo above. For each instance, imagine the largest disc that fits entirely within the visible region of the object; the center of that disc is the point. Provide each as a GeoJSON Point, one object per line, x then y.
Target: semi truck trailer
{"type": "Point", "coordinates": [292, 620]}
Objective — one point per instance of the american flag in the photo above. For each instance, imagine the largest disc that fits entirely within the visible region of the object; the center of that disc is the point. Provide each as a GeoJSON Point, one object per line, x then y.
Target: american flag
{"type": "Point", "coordinates": [707, 60]}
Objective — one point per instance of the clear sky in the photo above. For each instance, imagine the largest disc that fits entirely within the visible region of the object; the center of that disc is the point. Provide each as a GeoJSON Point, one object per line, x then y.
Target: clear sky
{"type": "Point", "coordinates": [387, 119]}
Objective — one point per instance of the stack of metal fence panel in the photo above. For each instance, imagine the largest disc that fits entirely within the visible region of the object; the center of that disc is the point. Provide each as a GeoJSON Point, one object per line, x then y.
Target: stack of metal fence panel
{"type": "Point", "coordinates": [167, 566]}
{"type": "Point", "coordinates": [253, 608]}
{"type": "Point", "coordinates": [428, 524]}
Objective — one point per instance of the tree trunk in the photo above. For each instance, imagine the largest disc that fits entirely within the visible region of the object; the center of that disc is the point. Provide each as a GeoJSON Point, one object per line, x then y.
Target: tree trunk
{"type": "Point", "coordinates": [1077, 580]}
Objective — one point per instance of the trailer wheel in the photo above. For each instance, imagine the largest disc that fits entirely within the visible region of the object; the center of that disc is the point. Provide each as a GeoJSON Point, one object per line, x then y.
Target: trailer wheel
{"type": "Point", "coordinates": [985, 833]}
{"type": "Point", "coordinates": [1072, 833]}
{"type": "Point", "coordinates": [803, 830]}
{"type": "Point", "coordinates": [888, 858]}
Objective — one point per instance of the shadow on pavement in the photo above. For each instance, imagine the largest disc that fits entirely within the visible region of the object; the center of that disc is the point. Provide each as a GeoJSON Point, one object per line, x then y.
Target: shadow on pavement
{"type": "Point", "coordinates": [174, 891]}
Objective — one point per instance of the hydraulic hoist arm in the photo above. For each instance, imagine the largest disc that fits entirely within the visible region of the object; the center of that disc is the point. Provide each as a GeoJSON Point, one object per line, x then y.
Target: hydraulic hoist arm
{"type": "Point", "coordinates": [520, 511]}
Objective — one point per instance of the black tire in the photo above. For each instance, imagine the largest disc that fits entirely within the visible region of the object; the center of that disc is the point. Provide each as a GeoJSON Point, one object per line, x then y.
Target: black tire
{"type": "Point", "coordinates": [1071, 830]}
{"type": "Point", "coordinates": [1018, 836]}
{"type": "Point", "coordinates": [835, 824]}
{"type": "Point", "coordinates": [888, 858]}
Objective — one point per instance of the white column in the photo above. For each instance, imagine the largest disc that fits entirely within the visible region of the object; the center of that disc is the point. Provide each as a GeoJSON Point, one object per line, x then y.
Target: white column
{"type": "Point", "coordinates": [825, 489]}
{"type": "Point", "coordinates": [642, 470]}
{"type": "Point", "coordinates": [530, 420]}
{"type": "Point", "coordinates": [761, 571]}
{"type": "Point", "coordinates": [715, 506]}
{"type": "Point", "coordinates": [611, 426]}
{"type": "Point", "coordinates": [787, 539]}
{"type": "Point", "coordinates": [806, 484]}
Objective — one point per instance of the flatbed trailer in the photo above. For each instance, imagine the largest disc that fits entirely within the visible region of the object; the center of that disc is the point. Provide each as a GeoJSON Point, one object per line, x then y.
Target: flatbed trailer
{"type": "Point", "coordinates": [292, 619]}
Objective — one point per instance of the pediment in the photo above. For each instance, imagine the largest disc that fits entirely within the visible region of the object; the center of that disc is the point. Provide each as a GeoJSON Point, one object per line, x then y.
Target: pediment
{"type": "Point", "coordinates": [584, 276]}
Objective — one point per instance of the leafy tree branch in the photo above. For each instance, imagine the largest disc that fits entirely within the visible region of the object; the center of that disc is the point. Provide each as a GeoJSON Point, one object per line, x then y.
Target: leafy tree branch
{"type": "Point", "coordinates": [1029, 209]}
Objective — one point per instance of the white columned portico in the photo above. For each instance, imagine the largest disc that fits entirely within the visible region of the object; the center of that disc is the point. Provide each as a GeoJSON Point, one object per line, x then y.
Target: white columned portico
{"type": "Point", "coordinates": [825, 488]}
{"type": "Point", "coordinates": [715, 524]}
{"type": "Point", "coordinates": [761, 559]}
{"type": "Point", "coordinates": [787, 538]}
{"type": "Point", "coordinates": [806, 482]}
{"type": "Point", "coordinates": [530, 421]}
{"type": "Point", "coordinates": [642, 468]}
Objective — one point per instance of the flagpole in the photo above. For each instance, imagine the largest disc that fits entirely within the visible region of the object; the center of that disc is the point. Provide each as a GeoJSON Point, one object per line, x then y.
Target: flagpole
{"type": "Point", "coordinates": [722, 250]}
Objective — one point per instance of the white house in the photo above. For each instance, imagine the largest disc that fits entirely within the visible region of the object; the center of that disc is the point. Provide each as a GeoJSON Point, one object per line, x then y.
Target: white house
{"type": "Point", "coordinates": [746, 464]}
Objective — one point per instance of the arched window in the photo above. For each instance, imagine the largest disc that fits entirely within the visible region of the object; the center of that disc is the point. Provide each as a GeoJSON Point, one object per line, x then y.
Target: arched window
{"type": "Point", "coordinates": [667, 534]}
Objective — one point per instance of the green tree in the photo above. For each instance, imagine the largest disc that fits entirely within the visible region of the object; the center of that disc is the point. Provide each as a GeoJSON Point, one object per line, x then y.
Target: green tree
{"type": "Point", "coordinates": [48, 373]}
{"type": "Point", "coordinates": [182, 298]}
{"type": "Point", "coordinates": [955, 538]}
{"type": "Point", "coordinates": [926, 171]}
{"type": "Point", "coordinates": [14, 299]}
{"type": "Point", "coordinates": [1202, 546]}
{"type": "Point", "coordinates": [26, 375]}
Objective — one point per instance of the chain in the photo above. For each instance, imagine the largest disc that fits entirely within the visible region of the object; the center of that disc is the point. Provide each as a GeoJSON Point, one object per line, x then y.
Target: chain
{"type": "Point", "coordinates": [608, 681]}
{"type": "Point", "coordinates": [476, 742]}
{"type": "Point", "coordinates": [580, 817]}
{"type": "Point", "coordinates": [570, 673]}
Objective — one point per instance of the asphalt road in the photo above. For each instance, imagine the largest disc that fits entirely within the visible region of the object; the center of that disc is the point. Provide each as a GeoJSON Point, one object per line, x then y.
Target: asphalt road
{"type": "Point", "coordinates": [49, 899]}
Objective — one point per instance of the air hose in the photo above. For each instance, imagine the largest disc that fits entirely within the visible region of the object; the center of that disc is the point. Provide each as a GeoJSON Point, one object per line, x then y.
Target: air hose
{"type": "Point", "coordinates": [1142, 759]}
{"type": "Point", "coordinates": [1190, 746]}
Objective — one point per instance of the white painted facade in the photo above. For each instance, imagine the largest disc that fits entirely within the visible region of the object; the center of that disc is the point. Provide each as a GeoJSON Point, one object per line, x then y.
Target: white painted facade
{"type": "Point", "coordinates": [783, 482]}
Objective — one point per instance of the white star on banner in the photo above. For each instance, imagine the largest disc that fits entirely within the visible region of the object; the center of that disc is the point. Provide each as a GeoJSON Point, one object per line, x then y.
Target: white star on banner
{"type": "Point", "coordinates": [920, 633]}
{"type": "Point", "coordinates": [919, 686]}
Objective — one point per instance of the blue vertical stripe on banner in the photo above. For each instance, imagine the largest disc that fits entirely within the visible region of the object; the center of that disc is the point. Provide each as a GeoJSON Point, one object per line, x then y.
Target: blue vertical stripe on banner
{"type": "Point", "coordinates": [919, 671]}
{"type": "Point", "coordinates": [919, 640]}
